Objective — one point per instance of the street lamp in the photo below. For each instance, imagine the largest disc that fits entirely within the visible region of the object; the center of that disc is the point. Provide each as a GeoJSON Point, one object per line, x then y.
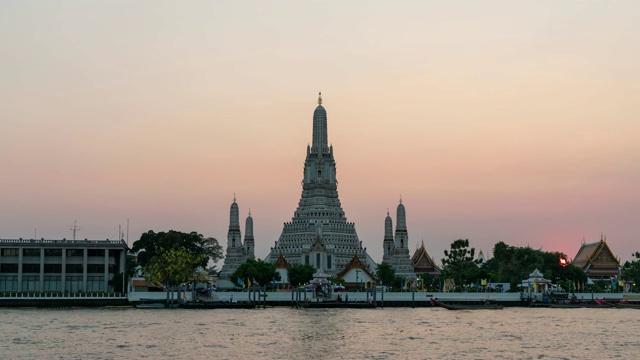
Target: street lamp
{"type": "Point", "coordinates": [357, 277]}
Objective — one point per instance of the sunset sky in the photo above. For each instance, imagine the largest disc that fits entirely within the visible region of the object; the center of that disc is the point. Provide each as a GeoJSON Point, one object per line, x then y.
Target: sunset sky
{"type": "Point", "coordinates": [495, 120]}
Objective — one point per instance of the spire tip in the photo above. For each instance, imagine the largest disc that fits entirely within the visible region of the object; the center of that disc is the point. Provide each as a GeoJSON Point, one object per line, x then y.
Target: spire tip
{"type": "Point", "coordinates": [320, 98]}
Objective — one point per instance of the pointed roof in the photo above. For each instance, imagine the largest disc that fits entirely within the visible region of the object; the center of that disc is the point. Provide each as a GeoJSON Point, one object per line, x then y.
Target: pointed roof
{"type": "Point", "coordinates": [281, 263]}
{"type": "Point", "coordinates": [355, 263]}
{"type": "Point", "coordinates": [597, 258]}
{"type": "Point", "coordinates": [422, 262]}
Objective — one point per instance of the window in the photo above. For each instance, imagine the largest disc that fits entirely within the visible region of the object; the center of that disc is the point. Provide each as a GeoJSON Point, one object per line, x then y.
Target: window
{"type": "Point", "coordinates": [95, 252]}
{"type": "Point", "coordinates": [75, 252]}
{"type": "Point", "coordinates": [95, 283]}
{"type": "Point", "coordinates": [52, 252]}
{"type": "Point", "coordinates": [52, 283]}
{"type": "Point", "coordinates": [73, 283]}
{"type": "Point", "coordinates": [328, 261]}
{"type": "Point", "coordinates": [31, 268]}
{"type": "Point", "coordinates": [9, 282]}
{"type": "Point", "coordinates": [112, 269]}
{"type": "Point", "coordinates": [9, 268]}
{"type": "Point", "coordinates": [73, 268]}
{"type": "Point", "coordinates": [31, 283]}
{"type": "Point", "coordinates": [95, 269]}
{"type": "Point", "coordinates": [306, 259]}
{"type": "Point", "coordinates": [318, 261]}
{"type": "Point", "coordinates": [52, 268]}
{"type": "Point", "coordinates": [9, 252]}
{"type": "Point", "coordinates": [31, 252]}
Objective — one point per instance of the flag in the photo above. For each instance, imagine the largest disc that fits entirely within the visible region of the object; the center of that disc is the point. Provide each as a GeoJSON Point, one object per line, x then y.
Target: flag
{"type": "Point", "coordinates": [248, 282]}
{"type": "Point", "coordinates": [240, 282]}
{"type": "Point", "coordinates": [255, 283]}
{"type": "Point", "coordinates": [483, 282]}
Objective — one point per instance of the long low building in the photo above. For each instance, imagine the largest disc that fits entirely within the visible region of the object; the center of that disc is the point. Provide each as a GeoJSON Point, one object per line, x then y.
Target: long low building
{"type": "Point", "coordinates": [60, 265]}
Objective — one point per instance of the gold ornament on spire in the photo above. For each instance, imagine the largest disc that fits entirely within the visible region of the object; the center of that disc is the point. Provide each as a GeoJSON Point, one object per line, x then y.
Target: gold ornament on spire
{"type": "Point", "coordinates": [234, 197]}
{"type": "Point", "coordinates": [400, 199]}
{"type": "Point", "coordinates": [320, 98]}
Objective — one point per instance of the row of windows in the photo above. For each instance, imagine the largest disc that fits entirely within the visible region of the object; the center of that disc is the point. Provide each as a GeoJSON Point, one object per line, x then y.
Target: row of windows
{"type": "Point", "coordinates": [55, 268]}
{"type": "Point", "coordinates": [53, 252]}
{"type": "Point", "coordinates": [52, 283]}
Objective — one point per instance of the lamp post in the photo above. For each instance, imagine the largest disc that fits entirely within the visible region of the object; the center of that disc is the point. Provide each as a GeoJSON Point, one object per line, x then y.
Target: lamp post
{"type": "Point", "coordinates": [357, 277]}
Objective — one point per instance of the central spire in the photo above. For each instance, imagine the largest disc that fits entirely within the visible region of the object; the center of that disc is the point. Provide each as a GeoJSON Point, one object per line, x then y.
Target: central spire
{"type": "Point", "coordinates": [320, 141]}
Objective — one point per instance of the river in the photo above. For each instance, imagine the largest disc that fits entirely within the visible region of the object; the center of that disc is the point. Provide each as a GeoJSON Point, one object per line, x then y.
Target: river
{"type": "Point", "coordinates": [284, 333]}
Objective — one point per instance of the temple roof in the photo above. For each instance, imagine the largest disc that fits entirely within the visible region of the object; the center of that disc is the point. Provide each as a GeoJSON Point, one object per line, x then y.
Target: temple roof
{"type": "Point", "coordinates": [281, 263]}
{"type": "Point", "coordinates": [422, 261]}
{"type": "Point", "coordinates": [355, 263]}
{"type": "Point", "coordinates": [597, 258]}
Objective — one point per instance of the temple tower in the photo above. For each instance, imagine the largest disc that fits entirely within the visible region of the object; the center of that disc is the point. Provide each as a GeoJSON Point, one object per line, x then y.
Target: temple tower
{"type": "Point", "coordinates": [388, 244]}
{"type": "Point", "coordinates": [249, 243]}
{"type": "Point", "coordinates": [237, 253]}
{"type": "Point", "coordinates": [319, 233]}
{"type": "Point", "coordinates": [396, 248]}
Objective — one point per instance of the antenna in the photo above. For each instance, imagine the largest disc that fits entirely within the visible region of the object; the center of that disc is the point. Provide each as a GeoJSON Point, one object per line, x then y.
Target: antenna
{"type": "Point", "coordinates": [75, 228]}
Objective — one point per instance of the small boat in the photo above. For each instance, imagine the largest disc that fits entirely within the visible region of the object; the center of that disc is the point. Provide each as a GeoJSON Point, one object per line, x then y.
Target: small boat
{"type": "Point", "coordinates": [485, 306]}
{"type": "Point", "coordinates": [623, 305]}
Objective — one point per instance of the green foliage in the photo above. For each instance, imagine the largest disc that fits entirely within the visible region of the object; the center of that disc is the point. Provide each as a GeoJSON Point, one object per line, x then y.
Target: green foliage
{"type": "Point", "coordinates": [152, 244]}
{"type": "Point", "coordinates": [459, 263]}
{"type": "Point", "coordinates": [129, 272]}
{"type": "Point", "coordinates": [632, 271]}
{"type": "Point", "coordinates": [386, 274]}
{"type": "Point", "coordinates": [261, 271]}
{"type": "Point", "coordinates": [514, 264]}
{"type": "Point", "coordinates": [300, 274]}
{"type": "Point", "coordinates": [173, 266]}
{"type": "Point", "coordinates": [335, 280]}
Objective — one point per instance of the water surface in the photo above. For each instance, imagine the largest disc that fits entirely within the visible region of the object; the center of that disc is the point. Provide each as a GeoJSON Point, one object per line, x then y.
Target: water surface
{"type": "Point", "coordinates": [284, 333]}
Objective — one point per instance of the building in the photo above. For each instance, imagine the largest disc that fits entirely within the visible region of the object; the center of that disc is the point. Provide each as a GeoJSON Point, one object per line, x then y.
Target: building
{"type": "Point", "coordinates": [237, 251]}
{"type": "Point", "coordinates": [423, 263]}
{"type": "Point", "coordinates": [60, 265]}
{"type": "Point", "coordinates": [597, 260]}
{"type": "Point", "coordinates": [396, 248]}
{"type": "Point", "coordinates": [319, 233]}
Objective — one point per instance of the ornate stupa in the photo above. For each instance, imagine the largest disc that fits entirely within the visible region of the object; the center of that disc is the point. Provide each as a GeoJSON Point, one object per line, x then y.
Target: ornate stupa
{"type": "Point", "coordinates": [319, 233]}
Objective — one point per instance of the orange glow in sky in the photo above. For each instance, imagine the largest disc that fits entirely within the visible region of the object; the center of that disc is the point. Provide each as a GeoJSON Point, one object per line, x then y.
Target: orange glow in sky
{"type": "Point", "coordinates": [495, 121]}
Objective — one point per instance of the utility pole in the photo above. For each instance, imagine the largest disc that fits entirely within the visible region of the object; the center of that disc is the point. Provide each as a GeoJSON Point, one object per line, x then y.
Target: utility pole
{"type": "Point", "coordinates": [75, 228]}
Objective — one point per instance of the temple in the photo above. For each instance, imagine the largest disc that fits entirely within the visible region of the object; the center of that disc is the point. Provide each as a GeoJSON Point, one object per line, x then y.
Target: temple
{"type": "Point", "coordinates": [396, 248]}
{"type": "Point", "coordinates": [423, 263]}
{"type": "Point", "coordinates": [319, 233]}
{"type": "Point", "coordinates": [597, 260]}
{"type": "Point", "coordinates": [237, 251]}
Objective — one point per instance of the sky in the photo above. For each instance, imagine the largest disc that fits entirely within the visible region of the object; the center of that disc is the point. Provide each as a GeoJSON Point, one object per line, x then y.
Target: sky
{"type": "Point", "coordinates": [495, 120]}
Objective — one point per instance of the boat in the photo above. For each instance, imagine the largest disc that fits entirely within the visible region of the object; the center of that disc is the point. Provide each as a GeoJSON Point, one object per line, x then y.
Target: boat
{"type": "Point", "coordinates": [488, 305]}
{"type": "Point", "coordinates": [624, 305]}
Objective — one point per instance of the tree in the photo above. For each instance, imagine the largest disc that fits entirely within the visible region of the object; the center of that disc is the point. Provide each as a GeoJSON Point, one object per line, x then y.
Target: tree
{"type": "Point", "coordinates": [129, 272]}
{"type": "Point", "coordinates": [514, 264]}
{"type": "Point", "coordinates": [386, 274]}
{"type": "Point", "coordinates": [300, 274]}
{"type": "Point", "coordinates": [152, 244]}
{"type": "Point", "coordinates": [173, 266]}
{"type": "Point", "coordinates": [459, 263]}
{"type": "Point", "coordinates": [256, 270]}
{"type": "Point", "coordinates": [632, 271]}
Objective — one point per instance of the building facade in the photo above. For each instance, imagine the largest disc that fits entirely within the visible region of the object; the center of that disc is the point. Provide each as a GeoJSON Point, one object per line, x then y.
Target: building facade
{"type": "Point", "coordinates": [319, 233]}
{"type": "Point", "coordinates": [60, 265]}
{"type": "Point", "coordinates": [237, 251]}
